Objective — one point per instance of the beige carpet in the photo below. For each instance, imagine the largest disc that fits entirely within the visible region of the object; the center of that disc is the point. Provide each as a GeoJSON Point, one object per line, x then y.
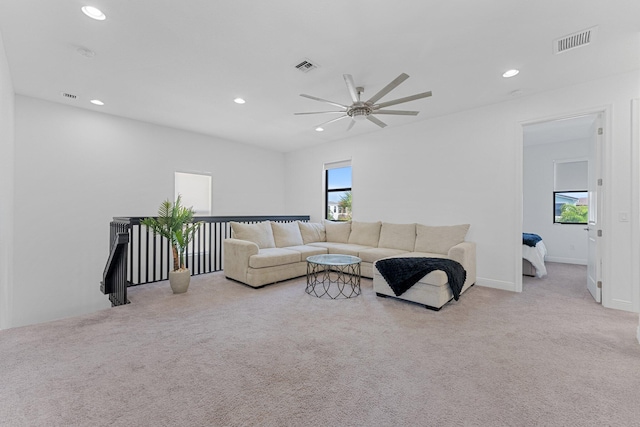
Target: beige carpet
{"type": "Point", "coordinates": [227, 355]}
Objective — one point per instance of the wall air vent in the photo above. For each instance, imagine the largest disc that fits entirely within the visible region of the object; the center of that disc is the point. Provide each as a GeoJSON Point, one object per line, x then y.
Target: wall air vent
{"type": "Point", "coordinates": [306, 65]}
{"type": "Point", "coordinates": [69, 95]}
{"type": "Point", "coordinates": [572, 41]}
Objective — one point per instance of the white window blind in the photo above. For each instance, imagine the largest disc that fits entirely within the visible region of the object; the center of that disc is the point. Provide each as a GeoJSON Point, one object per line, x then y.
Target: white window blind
{"type": "Point", "coordinates": [195, 190]}
{"type": "Point", "coordinates": [337, 165]}
{"type": "Point", "coordinates": [571, 175]}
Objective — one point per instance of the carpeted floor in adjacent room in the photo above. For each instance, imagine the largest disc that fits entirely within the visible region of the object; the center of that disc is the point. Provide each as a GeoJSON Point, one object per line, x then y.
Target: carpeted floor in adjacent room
{"type": "Point", "coordinates": [224, 354]}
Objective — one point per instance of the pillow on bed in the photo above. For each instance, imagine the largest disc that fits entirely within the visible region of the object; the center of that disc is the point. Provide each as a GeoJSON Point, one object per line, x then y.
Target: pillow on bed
{"type": "Point", "coordinates": [439, 239]}
{"type": "Point", "coordinates": [530, 239]}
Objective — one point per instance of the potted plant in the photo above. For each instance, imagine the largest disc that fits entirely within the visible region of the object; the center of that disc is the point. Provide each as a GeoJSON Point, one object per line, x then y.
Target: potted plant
{"type": "Point", "coordinates": [175, 223]}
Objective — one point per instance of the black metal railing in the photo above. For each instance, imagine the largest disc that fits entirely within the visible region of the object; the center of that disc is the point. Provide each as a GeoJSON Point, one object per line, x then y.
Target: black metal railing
{"type": "Point", "coordinates": [149, 257]}
{"type": "Point", "coordinates": [114, 277]}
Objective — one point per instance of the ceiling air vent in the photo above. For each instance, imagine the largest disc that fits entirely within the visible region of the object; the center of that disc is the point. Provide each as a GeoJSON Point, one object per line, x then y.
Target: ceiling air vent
{"type": "Point", "coordinates": [69, 95]}
{"type": "Point", "coordinates": [572, 41]}
{"type": "Point", "coordinates": [306, 65]}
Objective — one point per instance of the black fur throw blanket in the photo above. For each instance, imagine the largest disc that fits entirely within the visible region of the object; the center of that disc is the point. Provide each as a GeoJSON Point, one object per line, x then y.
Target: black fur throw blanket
{"type": "Point", "coordinates": [403, 273]}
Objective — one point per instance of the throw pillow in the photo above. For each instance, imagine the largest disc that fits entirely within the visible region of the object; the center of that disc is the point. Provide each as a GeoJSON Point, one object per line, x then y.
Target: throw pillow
{"type": "Point", "coordinates": [365, 233]}
{"type": "Point", "coordinates": [260, 233]}
{"type": "Point", "coordinates": [439, 239]}
{"type": "Point", "coordinates": [337, 232]}
{"type": "Point", "coordinates": [312, 232]}
{"type": "Point", "coordinates": [286, 234]}
{"type": "Point", "coordinates": [398, 236]}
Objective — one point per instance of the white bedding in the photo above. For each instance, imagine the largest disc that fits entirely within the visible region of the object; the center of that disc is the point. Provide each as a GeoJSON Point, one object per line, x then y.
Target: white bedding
{"type": "Point", "coordinates": [536, 257]}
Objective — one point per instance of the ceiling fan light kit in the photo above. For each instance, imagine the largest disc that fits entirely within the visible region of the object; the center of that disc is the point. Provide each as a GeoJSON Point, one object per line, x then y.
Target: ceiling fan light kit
{"type": "Point", "coordinates": [365, 110]}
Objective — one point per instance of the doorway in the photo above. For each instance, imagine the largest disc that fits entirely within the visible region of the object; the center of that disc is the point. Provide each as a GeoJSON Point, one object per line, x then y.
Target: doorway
{"type": "Point", "coordinates": [561, 198]}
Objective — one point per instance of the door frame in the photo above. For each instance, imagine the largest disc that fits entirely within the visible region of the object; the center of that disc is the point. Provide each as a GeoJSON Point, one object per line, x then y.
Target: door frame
{"type": "Point", "coordinates": [594, 257]}
{"type": "Point", "coordinates": [605, 111]}
{"type": "Point", "coordinates": [635, 203]}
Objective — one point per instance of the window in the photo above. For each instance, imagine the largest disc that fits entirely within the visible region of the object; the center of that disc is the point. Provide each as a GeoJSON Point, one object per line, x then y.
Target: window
{"type": "Point", "coordinates": [570, 200]}
{"type": "Point", "coordinates": [570, 207]}
{"type": "Point", "coordinates": [195, 189]}
{"type": "Point", "coordinates": [338, 191]}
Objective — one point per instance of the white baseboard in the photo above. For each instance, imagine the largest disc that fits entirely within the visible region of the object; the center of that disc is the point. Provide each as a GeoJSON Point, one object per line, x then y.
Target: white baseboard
{"type": "Point", "coordinates": [620, 305]}
{"type": "Point", "coordinates": [565, 260]}
{"type": "Point", "coordinates": [496, 284]}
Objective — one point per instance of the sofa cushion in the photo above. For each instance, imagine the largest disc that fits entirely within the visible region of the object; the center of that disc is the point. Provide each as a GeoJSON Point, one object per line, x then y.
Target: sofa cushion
{"type": "Point", "coordinates": [273, 256]}
{"type": "Point", "coordinates": [340, 248]}
{"type": "Point", "coordinates": [365, 233]}
{"type": "Point", "coordinates": [397, 236]}
{"type": "Point", "coordinates": [347, 249]}
{"type": "Point", "coordinates": [307, 251]}
{"type": "Point", "coordinates": [337, 232]}
{"type": "Point", "coordinates": [286, 234]}
{"type": "Point", "coordinates": [326, 245]}
{"type": "Point", "coordinates": [374, 254]}
{"type": "Point", "coordinates": [260, 233]}
{"type": "Point", "coordinates": [439, 239]}
{"type": "Point", "coordinates": [312, 232]}
{"type": "Point", "coordinates": [425, 255]}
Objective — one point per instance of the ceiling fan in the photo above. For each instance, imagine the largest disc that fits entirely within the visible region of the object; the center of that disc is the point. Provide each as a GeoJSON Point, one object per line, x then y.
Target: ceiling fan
{"type": "Point", "coordinates": [361, 110]}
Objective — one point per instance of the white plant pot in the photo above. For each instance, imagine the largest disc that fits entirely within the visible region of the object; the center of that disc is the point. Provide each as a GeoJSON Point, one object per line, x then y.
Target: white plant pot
{"type": "Point", "coordinates": [179, 281]}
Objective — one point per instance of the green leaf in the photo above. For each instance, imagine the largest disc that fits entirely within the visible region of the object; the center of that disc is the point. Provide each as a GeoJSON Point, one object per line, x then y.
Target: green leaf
{"type": "Point", "coordinates": [175, 223]}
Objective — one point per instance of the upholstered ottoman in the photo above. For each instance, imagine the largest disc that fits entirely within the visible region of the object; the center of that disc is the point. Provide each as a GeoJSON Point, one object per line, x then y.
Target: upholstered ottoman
{"type": "Point", "coordinates": [432, 291]}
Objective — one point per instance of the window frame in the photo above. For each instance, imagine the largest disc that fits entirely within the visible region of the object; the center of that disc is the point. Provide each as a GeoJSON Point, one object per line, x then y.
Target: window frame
{"type": "Point", "coordinates": [554, 207]}
{"type": "Point", "coordinates": [328, 167]}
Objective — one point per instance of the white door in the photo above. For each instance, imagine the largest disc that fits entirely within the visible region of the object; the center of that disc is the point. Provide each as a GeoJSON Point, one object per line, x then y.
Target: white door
{"type": "Point", "coordinates": [594, 260]}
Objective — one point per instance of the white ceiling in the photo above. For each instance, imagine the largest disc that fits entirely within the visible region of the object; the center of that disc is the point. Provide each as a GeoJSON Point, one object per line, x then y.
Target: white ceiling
{"type": "Point", "coordinates": [181, 63]}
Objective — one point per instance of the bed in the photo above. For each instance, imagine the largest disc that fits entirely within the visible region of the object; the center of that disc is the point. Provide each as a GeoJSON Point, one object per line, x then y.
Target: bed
{"type": "Point", "coordinates": [533, 253]}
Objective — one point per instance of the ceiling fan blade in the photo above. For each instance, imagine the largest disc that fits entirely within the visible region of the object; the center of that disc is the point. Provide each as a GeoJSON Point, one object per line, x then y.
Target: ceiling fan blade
{"type": "Point", "coordinates": [376, 121]}
{"type": "Point", "coordinates": [324, 100]}
{"type": "Point", "coordinates": [401, 100]}
{"type": "Point", "coordinates": [396, 112]}
{"type": "Point", "coordinates": [348, 79]}
{"type": "Point", "coordinates": [353, 122]}
{"type": "Point", "coordinates": [319, 112]}
{"type": "Point", "coordinates": [331, 121]}
{"type": "Point", "coordinates": [388, 88]}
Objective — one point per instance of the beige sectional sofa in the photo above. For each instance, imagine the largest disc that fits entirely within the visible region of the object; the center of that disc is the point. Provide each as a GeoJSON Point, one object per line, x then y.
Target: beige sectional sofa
{"type": "Point", "coordinates": [269, 252]}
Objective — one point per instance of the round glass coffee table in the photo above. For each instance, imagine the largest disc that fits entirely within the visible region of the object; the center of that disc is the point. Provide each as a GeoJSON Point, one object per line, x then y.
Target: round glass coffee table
{"type": "Point", "coordinates": [333, 276]}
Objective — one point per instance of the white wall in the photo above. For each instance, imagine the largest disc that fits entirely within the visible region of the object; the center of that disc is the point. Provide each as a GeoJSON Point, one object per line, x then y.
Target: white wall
{"type": "Point", "coordinates": [75, 169]}
{"type": "Point", "coordinates": [565, 242]}
{"type": "Point", "coordinates": [6, 189]}
{"type": "Point", "coordinates": [467, 167]}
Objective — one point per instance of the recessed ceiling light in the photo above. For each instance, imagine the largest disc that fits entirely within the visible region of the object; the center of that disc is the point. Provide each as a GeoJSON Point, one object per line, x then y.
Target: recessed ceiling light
{"type": "Point", "coordinates": [87, 53]}
{"type": "Point", "coordinates": [319, 129]}
{"type": "Point", "coordinates": [239, 101]}
{"type": "Point", "coordinates": [510, 73]}
{"type": "Point", "coordinates": [93, 12]}
{"type": "Point", "coordinates": [96, 102]}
